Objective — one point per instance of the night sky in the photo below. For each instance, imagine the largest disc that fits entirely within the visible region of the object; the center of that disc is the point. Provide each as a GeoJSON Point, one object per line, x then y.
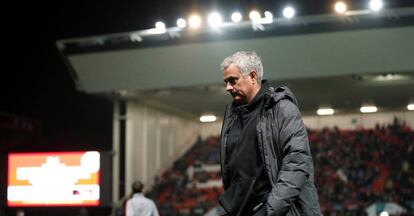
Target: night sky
{"type": "Point", "coordinates": [36, 84]}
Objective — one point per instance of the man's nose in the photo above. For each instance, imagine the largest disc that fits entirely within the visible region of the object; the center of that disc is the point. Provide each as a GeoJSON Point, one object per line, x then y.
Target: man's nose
{"type": "Point", "coordinates": [229, 87]}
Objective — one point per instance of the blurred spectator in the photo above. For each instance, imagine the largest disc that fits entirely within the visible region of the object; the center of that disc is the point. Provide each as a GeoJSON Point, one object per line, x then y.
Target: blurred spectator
{"type": "Point", "coordinates": [138, 204]}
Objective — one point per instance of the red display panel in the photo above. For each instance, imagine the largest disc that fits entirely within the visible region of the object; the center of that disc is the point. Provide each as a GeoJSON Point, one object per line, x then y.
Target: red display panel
{"type": "Point", "coordinates": [53, 179]}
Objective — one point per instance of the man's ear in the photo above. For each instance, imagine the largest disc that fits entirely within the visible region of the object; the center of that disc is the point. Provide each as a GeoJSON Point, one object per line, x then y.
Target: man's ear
{"type": "Point", "coordinates": [253, 75]}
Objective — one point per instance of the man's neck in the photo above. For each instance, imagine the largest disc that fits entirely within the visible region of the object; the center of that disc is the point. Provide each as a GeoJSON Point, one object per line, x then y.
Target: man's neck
{"type": "Point", "coordinates": [255, 91]}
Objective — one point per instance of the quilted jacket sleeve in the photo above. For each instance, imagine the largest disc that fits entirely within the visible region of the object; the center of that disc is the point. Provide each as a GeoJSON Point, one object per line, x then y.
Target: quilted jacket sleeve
{"type": "Point", "coordinates": [296, 163]}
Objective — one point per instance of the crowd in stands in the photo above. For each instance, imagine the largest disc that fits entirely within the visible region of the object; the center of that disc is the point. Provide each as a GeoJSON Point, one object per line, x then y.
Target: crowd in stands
{"type": "Point", "coordinates": [178, 193]}
{"type": "Point", "coordinates": [353, 169]}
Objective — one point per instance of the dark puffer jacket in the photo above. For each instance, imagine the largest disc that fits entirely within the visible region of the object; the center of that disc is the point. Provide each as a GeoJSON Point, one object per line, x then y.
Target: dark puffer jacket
{"type": "Point", "coordinates": [284, 147]}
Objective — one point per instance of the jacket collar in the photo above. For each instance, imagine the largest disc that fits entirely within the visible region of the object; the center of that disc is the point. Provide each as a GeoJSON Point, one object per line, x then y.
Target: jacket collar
{"type": "Point", "coordinates": [273, 96]}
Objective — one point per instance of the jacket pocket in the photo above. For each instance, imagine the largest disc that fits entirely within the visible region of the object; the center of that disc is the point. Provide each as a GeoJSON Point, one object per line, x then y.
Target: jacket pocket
{"type": "Point", "coordinates": [235, 197]}
{"type": "Point", "coordinates": [256, 203]}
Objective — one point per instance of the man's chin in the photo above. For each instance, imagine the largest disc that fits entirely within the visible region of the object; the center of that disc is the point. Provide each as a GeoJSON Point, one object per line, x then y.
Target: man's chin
{"type": "Point", "coordinates": [238, 100]}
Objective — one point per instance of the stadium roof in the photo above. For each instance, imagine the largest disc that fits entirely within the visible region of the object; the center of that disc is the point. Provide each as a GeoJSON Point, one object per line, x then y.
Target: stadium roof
{"type": "Point", "coordinates": [328, 60]}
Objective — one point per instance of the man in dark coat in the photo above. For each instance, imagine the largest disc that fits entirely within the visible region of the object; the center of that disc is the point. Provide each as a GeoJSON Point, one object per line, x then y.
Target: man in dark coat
{"type": "Point", "coordinates": [266, 163]}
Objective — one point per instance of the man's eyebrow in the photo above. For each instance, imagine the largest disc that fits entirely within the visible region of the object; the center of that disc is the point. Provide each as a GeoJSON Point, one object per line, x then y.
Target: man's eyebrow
{"type": "Point", "coordinates": [229, 78]}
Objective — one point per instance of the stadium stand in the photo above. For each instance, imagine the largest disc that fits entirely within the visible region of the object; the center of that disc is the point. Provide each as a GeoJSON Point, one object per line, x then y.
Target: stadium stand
{"type": "Point", "coordinates": [192, 184]}
{"type": "Point", "coordinates": [354, 168]}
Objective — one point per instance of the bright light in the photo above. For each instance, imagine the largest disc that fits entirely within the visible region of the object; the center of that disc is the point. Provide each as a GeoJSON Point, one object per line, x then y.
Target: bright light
{"type": "Point", "coordinates": [160, 25]}
{"type": "Point", "coordinates": [390, 77]}
{"type": "Point", "coordinates": [159, 28]}
{"type": "Point", "coordinates": [268, 16]}
{"type": "Point", "coordinates": [53, 179]}
{"type": "Point", "coordinates": [208, 118]}
{"type": "Point", "coordinates": [236, 17]}
{"type": "Point", "coordinates": [368, 109]}
{"type": "Point", "coordinates": [384, 213]}
{"type": "Point", "coordinates": [181, 23]}
{"type": "Point", "coordinates": [340, 7]}
{"type": "Point", "coordinates": [376, 5]}
{"type": "Point", "coordinates": [254, 16]}
{"type": "Point", "coordinates": [288, 12]}
{"type": "Point", "coordinates": [410, 107]}
{"type": "Point", "coordinates": [325, 111]}
{"type": "Point", "coordinates": [214, 19]}
{"type": "Point", "coordinates": [90, 160]}
{"type": "Point", "coordinates": [195, 21]}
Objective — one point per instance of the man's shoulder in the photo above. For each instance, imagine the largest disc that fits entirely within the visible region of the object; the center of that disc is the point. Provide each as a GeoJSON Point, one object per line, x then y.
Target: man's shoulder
{"type": "Point", "coordinates": [148, 200]}
{"type": "Point", "coordinates": [140, 197]}
{"type": "Point", "coordinates": [275, 95]}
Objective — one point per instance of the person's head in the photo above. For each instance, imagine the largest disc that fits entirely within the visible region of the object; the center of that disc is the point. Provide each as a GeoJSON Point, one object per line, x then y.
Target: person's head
{"type": "Point", "coordinates": [242, 73]}
{"type": "Point", "coordinates": [137, 187]}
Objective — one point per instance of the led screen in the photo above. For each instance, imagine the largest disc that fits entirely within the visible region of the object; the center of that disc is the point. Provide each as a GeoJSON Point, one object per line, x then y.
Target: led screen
{"type": "Point", "coordinates": [53, 179]}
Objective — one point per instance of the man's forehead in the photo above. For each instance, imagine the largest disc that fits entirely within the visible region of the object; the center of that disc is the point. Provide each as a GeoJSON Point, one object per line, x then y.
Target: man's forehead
{"type": "Point", "coordinates": [232, 69]}
{"type": "Point", "coordinates": [231, 75]}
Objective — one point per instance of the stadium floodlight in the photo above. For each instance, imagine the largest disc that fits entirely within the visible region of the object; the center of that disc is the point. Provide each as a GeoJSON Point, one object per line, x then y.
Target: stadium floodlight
{"type": "Point", "coordinates": [325, 111]}
{"type": "Point", "coordinates": [194, 21]}
{"type": "Point", "coordinates": [376, 5]}
{"type": "Point", "coordinates": [160, 25]}
{"type": "Point", "coordinates": [255, 16]}
{"type": "Point", "coordinates": [368, 109]}
{"type": "Point", "coordinates": [181, 23]}
{"type": "Point", "coordinates": [410, 106]}
{"type": "Point", "coordinates": [160, 28]}
{"type": "Point", "coordinates": [384, 213]}
{"type": "Point", "coordinates": [208, 118]}
{"type": "Point", "coordinates": [268, 17]}
{"type": "Point", "coordinates": [236, 17]}
{"type": "Point", "coordinates": [340, 7]}
{"type": "Point", "coordinates": [214, 19]}
{"type": "Point", "coordinates": [289, 12]}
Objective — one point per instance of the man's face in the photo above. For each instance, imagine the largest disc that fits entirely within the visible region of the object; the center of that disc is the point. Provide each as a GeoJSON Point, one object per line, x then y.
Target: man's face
{"type": "Point", "coordinates": [240, 88]}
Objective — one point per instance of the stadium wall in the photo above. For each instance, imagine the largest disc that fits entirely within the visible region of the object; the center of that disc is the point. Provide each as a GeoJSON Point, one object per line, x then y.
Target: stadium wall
{"type": "Point", "coordinates": [153, 140]}
{"type": "Point", "coordinates": [344, 121]}
{"type": "Point", "coordinates": [352, 121]}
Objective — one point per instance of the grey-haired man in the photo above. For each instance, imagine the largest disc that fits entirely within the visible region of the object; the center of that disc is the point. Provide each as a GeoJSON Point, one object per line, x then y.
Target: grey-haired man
{"type": "Point", "coordinates": [266, 163]}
